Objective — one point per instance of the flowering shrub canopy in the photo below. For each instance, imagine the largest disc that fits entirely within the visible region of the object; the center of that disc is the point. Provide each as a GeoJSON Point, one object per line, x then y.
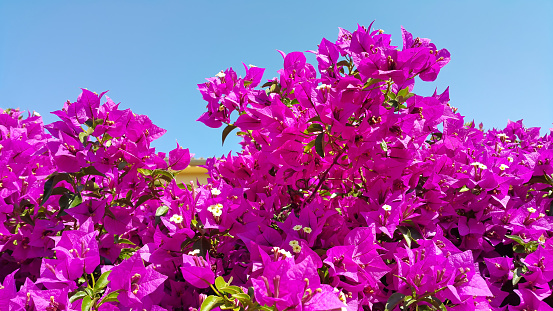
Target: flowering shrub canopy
{"type": "Point", "coordinates": [350, 193]}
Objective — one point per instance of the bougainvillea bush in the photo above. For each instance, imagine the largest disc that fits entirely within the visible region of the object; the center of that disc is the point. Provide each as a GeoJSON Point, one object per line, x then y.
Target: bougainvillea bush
{"type": "Point", "coordinates": [350, 193]}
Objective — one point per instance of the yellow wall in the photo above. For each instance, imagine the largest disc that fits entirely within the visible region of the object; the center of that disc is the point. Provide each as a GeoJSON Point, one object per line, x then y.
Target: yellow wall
{"type": "Point", "coordinates": [193, 172]}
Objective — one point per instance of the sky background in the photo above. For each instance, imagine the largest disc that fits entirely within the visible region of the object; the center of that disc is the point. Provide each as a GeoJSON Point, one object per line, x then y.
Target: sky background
{"type": "Point", "coordinates": [151, 55]}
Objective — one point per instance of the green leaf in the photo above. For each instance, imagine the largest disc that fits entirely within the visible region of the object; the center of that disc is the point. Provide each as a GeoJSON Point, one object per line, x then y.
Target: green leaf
{"type": "Point", "coordinates": [87, 304]}
{"type": "Point", "coordinates": [162, 210]}
{"type": "Point", "coordinates": [517, 275]}
{"type": "Point", "coordinates": [531, 247]}
{"type": "Point", "coordinates": [520, 249]}
{"type": "Point", "coordinates": [143, 199]}
{"type": "Point", "coordinates": [319, 145]}
{"type": "Point", "coordinates": [121, 165]}
{"type": "Point", "coordinates": [77, 199]}
{"type": "Point", "coordinates": [211, 302]}
{"type": "Point", "coordinates": [83, 137]}
{"type": "Point", "coordinates": [48, 187]}
{"type": "Point", "coordinates": [516, 238]}
{"type": "Point", "coordinates": [243, 298]}
{"type": "Point", "coordinates": [69, 200]}
{"type": "Point", "coordinates": [102, 282]}
{"type": "Point", "coordinates": [384, 146]}
{"type": "Point", "coordinates": [371, 82]}
{"type": "Point", "coordinates": [89, 291]}
{"type": "Point", "coordinates": [275, 88]}
{"type": "Point", "coordinates": [127, 253]}
{"type": "Point", "coordinates": [315, 127]}
{"type": "Point", "coordinates": [411, 235]}
{"type": "Point", "coordinates": [98, 122]}
{"type": "Point", "coordinates": [91, 170]}
{"type": "Point", "coordinates": [394, 300]}
{"type": "Point", "coordinates": [111, 297]}
{"type": "Point", "coordinates": [227, 131]}
{"type": "Point", "coordinates": [464, 189]}
{"type": "Point", "coordinates": [314, 119]}
{"type": "Point", "coordinates": [403, 92]}
{"type": "Point", "coordinates": [308, 147]}
{"type": "Point", "coordinates": [145, 172]}
{"type": "Point", "coordinates": [434, 301]}
{"type": "Point", "coordinates": [124, 241]}
{"type": "Point", "coordinates": [267, 84]}
{"type": "Point", "coordinates": [342, 63]}
{"type": "Point", "coordinates": [168, 176]}
{"type": "Point", "coordinates": [231, 289]}
{"type": "Point", "coordinates": [78, 295]}
{"type": "Point", "coordinates": [220, 282]}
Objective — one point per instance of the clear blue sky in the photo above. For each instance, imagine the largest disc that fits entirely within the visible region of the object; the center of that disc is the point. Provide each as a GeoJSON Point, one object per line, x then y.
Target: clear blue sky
{"type": "Point", "coordinates": [152, 54]}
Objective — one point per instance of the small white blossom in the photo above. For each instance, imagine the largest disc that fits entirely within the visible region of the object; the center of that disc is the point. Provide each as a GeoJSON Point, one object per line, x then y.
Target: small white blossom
{"type": "Point", "coordinates": [307, 230]}
{"type": "Point", "coordinates": [503, 167]}
{"type": "Point", "coordinates": [480, 165]}
{"type": "Point", "coordinates": [510, 159]}
{"type": "Point", "coordinates": [176, 219]}
{"type": "Point", "coordinates": [216, 210]}
{"type": "Point", "coordinates": [221, 74]}
{"type": "Point", "coordinates": [293, 243]}
{"type": "Point", "coordinates": [215, 191]}
{"type": "Point", "coordinates": [297, 227]}
{"type": "Point", "coordinates": [194, 252]}
{"type": "Point", "coordinates": [285, 253]}
{"type": "Point", "coordinates": [251, 66]}
{"type": "Point", "coordinates": [323, 86]}
{"type": "Point", "coordinates": [531, 210]}
{"type": "Point", "coordinates": [386, 207]}
{"type": "Point", "coordinates": [296, 248]}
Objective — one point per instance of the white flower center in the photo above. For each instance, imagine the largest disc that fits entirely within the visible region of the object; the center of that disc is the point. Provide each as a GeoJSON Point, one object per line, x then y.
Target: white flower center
{"type": "Point", "coordinates": [176, 219]}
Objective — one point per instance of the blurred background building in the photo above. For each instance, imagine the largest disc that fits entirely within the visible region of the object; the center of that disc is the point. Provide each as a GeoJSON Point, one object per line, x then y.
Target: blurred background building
{"type": "Point", "coordinates": [193, 172]}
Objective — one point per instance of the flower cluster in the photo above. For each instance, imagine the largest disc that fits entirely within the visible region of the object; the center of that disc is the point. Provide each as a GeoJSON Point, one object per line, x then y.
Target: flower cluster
{"type": "Point", "coordinates": [395, 199]}
{"type": "Point", "coordinates": [350, 193]}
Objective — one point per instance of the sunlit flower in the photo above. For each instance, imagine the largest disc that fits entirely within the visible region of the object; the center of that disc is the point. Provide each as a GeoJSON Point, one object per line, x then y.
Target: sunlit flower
{"type": "Point", "coordinates": [479, 165]}
{"type": "Point", "coordinates": [297, 227]}
{"type": "Point", "coordinates": [216, 210]}
{"type": "Point", "coordinates": [176, 219]}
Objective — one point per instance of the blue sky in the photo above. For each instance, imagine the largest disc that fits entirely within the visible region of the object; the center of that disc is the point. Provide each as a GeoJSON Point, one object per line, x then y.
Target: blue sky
{"type": "Point", "coordinates": [151, 55]}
